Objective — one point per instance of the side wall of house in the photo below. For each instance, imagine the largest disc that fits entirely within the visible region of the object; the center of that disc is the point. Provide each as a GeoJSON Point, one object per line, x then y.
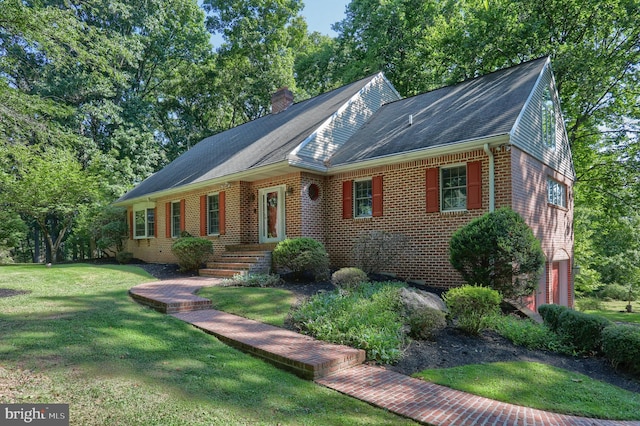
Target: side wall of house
{"type": "Point", "coordinates": [426, 257]}
{"type": "Point", "coordinates": [552, 225]}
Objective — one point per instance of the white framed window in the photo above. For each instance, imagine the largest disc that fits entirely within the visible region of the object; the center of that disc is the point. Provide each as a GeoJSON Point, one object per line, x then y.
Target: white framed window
{"type": "Point", "coordinates": [363, 198]}
{"type": "Point", "coordinates": [144, 223]}
{"type": "Point", "coordinates": [453, 188]}
{"type": "Point", "coordinates": [175, 219]}
{"type": "Point", "coordinates": [556, 193]}
{"type": "Point", "coordinates": [548, 119]}
{"type": "Point", "coordinates": [213, 214]}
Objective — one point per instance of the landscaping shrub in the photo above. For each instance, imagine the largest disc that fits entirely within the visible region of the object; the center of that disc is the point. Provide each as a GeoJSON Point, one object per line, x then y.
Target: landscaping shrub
{"type": "Point", "coordinates": [367, 318]}
{"type": "Point", "coordinates": [582, 331]}
{"type": "Point", "coordinates": [550, 315]}
{"type": "Point", "coordinates": [349, 278]}
{"type": "Point", "coordinates": [252, 280]}
{"type": "Point", "coordinates": [621, 345]}
{"type": "Point", "coordinates": [426, 323]}
{"type": "Point", "coordinates": [378, 251]}
{"type": "Point", "coordinates": [301, 255]}
{"type": "Point", "coordinates": [471, 305]}
{"type": "Point", "coordinates": [589, 304]}
{"type": "Point", "coordinates": [498, 250]}
{"type": "Point", "coordinates": [616, 292]}
{"type": "Point", "coordinates": [191, 252]}
{"type": "Point", "coordinates": [124, 257]}
{"type": "Point", "coordinates": [527, 333]}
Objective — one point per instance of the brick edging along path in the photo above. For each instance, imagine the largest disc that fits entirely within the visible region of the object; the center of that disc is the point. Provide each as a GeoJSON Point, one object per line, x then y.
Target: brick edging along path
{"type": "Point", "coordinates": [339, 367]}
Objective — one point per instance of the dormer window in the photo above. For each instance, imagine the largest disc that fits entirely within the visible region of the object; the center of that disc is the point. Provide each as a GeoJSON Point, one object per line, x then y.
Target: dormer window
{"type": "Point", "coordinates": [548, 114]}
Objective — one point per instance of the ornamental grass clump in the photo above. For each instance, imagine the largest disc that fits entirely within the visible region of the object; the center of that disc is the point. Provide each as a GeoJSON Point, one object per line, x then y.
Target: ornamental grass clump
{"type": "Point", "coordinates": [472, 305]}
{"type": "Point", "coordinates": [367, 318]}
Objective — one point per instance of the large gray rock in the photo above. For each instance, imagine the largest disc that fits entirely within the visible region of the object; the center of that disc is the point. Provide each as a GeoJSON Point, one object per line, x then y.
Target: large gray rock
{"type": "Point", "coordinates": [414, 299]}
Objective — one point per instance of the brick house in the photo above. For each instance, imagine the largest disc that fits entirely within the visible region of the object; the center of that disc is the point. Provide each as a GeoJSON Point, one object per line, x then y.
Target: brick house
{"type": "Point", "coordinates": [361, 158]}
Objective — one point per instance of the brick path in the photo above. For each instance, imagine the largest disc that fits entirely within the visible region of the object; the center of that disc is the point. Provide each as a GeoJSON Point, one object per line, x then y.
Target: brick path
{"type": "Point", "coordinates": [413, 398]}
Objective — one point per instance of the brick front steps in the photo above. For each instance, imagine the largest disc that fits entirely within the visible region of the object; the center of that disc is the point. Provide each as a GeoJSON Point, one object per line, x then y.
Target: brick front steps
{"type": "Point", "coordinates": [302, 355]}
{"type": "Point", "coordinates": [241, 259]}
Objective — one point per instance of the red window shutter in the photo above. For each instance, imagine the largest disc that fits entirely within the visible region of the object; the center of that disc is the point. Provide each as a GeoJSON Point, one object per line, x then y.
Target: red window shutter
{"type": "Point", "coordinates": [203, 215]}
{"type": "Point", "coordinates": [131, 225]}
{"type": "Point", "coordinates": [182, 216]}
{"type": "Point", "coordinates": [347, 199]}
{"type": "Point", "coordinates": [474, 185]}
{"type": "Point", "coordinates": [433, 190]}
{"type": "Point", "coordinates": [168, 220]}
{"type": "Point", "coordinates": [221, 212]}
{"type": "Point", "coordinates": [155, 222]}
{"type": "Point", "coordinates": [376, 184]}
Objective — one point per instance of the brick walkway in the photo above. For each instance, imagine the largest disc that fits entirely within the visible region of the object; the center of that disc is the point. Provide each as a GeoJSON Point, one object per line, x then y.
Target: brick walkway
{"type": "Point", "coordinates": [413, 398]}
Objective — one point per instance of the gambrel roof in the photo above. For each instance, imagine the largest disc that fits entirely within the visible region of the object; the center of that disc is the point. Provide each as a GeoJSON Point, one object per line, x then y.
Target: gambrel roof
{"type": "Point", "coordinates": [368, 121]}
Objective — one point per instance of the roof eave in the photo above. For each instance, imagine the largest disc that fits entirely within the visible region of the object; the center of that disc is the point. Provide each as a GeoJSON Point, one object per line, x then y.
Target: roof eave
{"type": "Point", "coordinates": [454, 148]}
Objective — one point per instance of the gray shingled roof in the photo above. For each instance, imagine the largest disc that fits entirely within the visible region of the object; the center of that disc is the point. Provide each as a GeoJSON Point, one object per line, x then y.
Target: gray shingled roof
{"type": "Point", "coordinates": [260, 142]}
{"type": "Point", "coordinates": [474, 109]}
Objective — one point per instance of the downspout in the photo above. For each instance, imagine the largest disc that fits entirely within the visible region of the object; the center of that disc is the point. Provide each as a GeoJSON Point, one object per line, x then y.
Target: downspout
{"type": "Point", "coordinates": [492, 189]}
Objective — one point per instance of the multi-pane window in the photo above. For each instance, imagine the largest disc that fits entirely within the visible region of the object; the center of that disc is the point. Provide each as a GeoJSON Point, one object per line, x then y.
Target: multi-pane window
{"type": "Point", "coordinates": [175, 219]}
{"type": "Point", "coordinates": [144, 223]}
{"type": "Point", "coordinates": [556, 193]}
{"type": "Point", "coordinates": [548, 120]}
{"type": "Point", "coordinates": [363, 198]}
{"type": "Point", "coordinates": [454, 188]}
{"type": "Point", "coordinates": [213, 214]}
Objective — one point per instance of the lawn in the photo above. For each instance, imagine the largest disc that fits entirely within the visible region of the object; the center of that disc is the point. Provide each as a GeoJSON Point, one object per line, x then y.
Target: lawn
{"type": "Point", "coordinates": [615, 311]}
{"type": "Point", "coordinates": [76, 337]}
{"type": "Point", "coordinates": [540, 386]}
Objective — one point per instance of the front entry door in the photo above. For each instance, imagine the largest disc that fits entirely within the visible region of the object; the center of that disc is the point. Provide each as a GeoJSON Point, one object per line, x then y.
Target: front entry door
{"type": "Point", "coordinates": [272, 214]}
{"type": "Point", "coordinates": [555, 282]}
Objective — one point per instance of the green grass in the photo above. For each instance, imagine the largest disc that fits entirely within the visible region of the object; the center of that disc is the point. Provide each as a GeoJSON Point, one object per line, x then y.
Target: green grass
{"type": "Point", "coordinates": [267, 305]}
{"type": "Point", "coordinates": [615, 311]}
{"type": "Point", "coordinates": [77, 338]}
{"type": "Point", "coordinates": [540, 386]}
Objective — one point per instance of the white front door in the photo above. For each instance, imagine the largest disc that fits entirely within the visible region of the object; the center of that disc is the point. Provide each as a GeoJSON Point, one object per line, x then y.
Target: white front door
{"type": "Point", "coordinates": [272, 214]}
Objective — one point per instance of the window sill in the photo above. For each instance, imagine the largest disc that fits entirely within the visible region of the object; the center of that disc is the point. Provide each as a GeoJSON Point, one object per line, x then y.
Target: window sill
{"type": "Point", "coordinates": [555, 206]}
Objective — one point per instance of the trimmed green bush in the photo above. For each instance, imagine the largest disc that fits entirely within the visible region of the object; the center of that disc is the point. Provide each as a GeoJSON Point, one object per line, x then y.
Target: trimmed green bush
{"type": "Point", "coordinates": [349, 278]}
{"type": "Point", "coordinates": [621, 346]}
{"type": "Point", "coordinates": [471, 305]}
{"type": "Point", "coordinates": [498, 250]}
{"type": "Point", "coordinates": [426, 323]}
{"type": "Point", "coordinates": [589, 304]}
{"type": "Point", "coordinates": [550, 315]}
{"type": "Point", "coordinates": [367, 318]}
{"type": "Point", "coordinates": [301, 255]}
{"type": "Point", "coordinates": [582, 331]}
{"type": "Point", "coordinates": [616, 292]}
{"type": "Point", "coordinates": [124, 257]}
{"type": "Point", "coordinates": [191, 252]}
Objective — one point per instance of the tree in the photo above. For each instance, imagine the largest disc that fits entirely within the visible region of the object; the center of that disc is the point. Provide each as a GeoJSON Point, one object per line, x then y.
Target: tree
{"type": "Point", "coordinates": [49, 186]}
{"type": "Point", "coordinates": [498, 250]}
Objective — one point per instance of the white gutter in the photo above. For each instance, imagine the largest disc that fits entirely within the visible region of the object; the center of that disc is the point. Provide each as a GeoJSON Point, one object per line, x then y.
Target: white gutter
{"type": "Point", "coordinates": [492, 178]}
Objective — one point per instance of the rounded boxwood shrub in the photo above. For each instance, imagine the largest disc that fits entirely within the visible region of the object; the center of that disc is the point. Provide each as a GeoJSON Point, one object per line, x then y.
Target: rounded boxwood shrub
{"type": "Point", "coordinates": [550, 315]}
{"type": "Point", "coordinates": [426, 323]}
{"type": "Point", "coordinates": [471, 305]}
{"type": "Point", "coordinates": [582, 331]}
{"type": "Point", "coordinates": [621, 346]}
{"type": "Point", "coordinates": [191, 252]}
{"type": "Point", "coordinates": [498, 250]}
{"type": "Point", "coordinates": [301, 255]}
{"type": "Point", "coordinates": [349, 278]}
{"type": "Point", "coordinates": [124, 257]}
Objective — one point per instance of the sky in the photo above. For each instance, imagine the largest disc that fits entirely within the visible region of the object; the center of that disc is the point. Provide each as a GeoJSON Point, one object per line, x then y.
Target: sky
{"type": "Point", "coordinates": [319, 14]}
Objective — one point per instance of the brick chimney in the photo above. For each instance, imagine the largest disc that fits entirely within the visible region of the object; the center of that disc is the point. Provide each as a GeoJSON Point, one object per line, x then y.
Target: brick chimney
{"type": "Point", "coordinates": [281, 100]}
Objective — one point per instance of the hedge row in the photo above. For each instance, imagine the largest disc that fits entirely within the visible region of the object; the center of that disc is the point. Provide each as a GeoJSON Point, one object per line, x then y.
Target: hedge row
{"type": "Point", "coordinates": [587, 333]}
